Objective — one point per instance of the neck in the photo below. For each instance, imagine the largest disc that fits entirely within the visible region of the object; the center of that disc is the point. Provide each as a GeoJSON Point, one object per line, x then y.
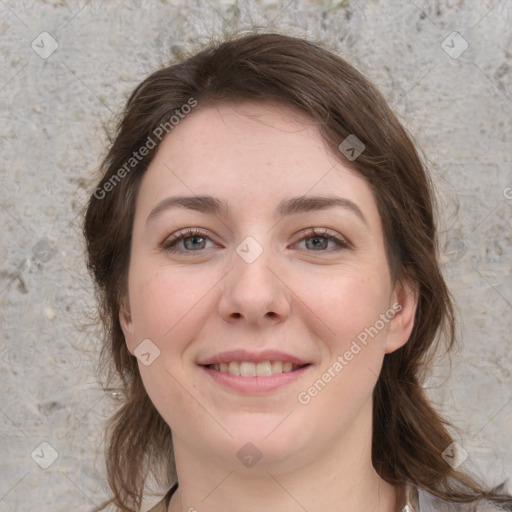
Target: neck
{"type": "Point", "coordinates": [340, 478]}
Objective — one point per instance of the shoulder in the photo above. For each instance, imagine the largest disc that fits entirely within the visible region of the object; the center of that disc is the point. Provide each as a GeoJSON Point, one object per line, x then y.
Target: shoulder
{"type": "Point", "coordinates": [159, 507]}
{"type": "Point", "coordinates": [162, 505]}
{"type": "Point", "coordinates": [429, 503]}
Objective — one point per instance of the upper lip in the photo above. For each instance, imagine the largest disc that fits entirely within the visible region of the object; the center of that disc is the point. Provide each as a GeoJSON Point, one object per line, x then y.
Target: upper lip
{"type": "Point", "coordinates": [245, 355]}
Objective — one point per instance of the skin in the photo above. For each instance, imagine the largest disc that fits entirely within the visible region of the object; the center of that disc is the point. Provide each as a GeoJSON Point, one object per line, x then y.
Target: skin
{"type": "Point", "coordinates": [308, 301]}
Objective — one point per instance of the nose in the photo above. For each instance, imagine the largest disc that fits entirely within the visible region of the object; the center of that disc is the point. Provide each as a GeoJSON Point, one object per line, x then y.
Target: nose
{"type": "Point", "coordinates": [254, 292]}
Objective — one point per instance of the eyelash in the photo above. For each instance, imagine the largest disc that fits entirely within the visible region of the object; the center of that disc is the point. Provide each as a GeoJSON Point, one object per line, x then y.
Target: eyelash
{"type": "Point", "coordinates": [170, 243]}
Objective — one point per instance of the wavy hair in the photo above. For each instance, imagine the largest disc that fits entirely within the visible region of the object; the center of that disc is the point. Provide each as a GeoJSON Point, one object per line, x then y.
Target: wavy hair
{"type": "Point", "coordinates": [409, 435]}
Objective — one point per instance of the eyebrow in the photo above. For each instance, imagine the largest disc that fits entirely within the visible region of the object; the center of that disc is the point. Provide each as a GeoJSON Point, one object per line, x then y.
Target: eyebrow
{"type": "Point", "coordinates": [294, 205]}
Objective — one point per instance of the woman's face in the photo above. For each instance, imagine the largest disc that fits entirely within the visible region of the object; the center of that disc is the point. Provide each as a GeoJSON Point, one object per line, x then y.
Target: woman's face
{"type": "Point", "coordinates": [251, 286]}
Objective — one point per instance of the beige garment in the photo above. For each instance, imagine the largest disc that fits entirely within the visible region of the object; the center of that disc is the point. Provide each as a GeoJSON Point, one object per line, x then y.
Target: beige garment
{"type": "Point", "coordinates": [162, 505]}
{"type": "Point", "coordinates": [416, 500]}
{"type": "Point", "coordinates": [159, 507]}
{"type": "Point", "coordinates": [411, 498]}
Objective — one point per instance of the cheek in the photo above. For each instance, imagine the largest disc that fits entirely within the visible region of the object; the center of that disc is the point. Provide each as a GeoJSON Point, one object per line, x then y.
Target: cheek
{"type": "Point", "coordinates": [169, 307]}
{"type": "Point", "coordinates": [172, 395]}
{"type": "Point", "coordinates": [349, 308]}
{"type": "Point", "coordinates": [164, 300]}
{"type": "Point", "coordinates": [347, 304]}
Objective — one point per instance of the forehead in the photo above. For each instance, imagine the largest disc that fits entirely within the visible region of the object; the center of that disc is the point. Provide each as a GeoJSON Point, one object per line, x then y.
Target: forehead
{"type": "Point", "coordinates": [249, 155]}
{"type": "Point", "coordinates": [260, 135]}
{"type": "Point", "coordinates": [270, 138]}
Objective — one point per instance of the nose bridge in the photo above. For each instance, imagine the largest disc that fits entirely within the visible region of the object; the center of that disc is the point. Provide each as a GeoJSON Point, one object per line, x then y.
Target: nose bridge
{"type": "Point", "coordinates": [252, 262]}
{"type": "Point", "coordinates": [253, 288]}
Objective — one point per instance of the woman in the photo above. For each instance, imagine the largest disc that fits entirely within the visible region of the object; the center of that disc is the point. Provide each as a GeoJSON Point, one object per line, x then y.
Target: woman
{"type": "Point", "coordinates": [264, 246]}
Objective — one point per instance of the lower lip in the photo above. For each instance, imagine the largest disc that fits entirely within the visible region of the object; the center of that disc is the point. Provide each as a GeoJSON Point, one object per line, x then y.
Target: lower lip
{"type": "Point", "coordinates": [255, 385]}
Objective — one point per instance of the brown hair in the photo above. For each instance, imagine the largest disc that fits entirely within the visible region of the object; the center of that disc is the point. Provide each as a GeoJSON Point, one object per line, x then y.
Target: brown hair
{"type": "Point", "coordinates": [409, 436]}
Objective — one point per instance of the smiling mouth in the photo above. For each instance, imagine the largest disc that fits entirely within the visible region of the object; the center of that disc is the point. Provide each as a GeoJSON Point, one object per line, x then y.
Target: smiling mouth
{"type": "Point", "coordinates": [250, 369]}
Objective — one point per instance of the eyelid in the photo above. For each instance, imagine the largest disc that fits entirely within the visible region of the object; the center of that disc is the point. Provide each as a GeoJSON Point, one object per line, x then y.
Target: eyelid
{"type": "Point", "coordinates": [311, 232]}
{"type": "Point", "coordinates": [341, 241]}
{"type": "Point", "coordinates": [183, 234]}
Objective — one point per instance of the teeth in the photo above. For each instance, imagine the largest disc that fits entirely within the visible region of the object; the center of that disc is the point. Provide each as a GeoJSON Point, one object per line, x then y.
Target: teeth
{"type": "Point", "coordinates": [234, 368]}
{"type": "Point", "coordinates": [277, 367]}
{"type": "Point", "coordinates": [287, 367]}
{"type": "Point", "coordinates": [250, 369]}
{"type": "Point", "coordinates": [247, 369]}
{"type": "Point", "coordinates": [264, 369]}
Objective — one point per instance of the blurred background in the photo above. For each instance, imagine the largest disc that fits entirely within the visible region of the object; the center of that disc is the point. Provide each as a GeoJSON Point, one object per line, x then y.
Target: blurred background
{"type": "Point", "coordinates": [66, 69]}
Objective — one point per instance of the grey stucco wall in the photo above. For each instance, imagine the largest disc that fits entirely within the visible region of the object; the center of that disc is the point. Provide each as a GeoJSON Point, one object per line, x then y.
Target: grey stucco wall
{"type": "Point", "coordinates": [457, 102]}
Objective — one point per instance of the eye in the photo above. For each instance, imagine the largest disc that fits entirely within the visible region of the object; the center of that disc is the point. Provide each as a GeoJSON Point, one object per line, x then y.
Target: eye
{"type": "Point", "coordinates": [193, 241]}
{"type": "Point", "coordinates": [317, 240]}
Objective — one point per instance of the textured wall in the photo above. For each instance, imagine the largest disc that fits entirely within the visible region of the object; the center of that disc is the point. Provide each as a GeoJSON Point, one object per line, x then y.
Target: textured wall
{"type": "Point", "coordinates": [66, 67]}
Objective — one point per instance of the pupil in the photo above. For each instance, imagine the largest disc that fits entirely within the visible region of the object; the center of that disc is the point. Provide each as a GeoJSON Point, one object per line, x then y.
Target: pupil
{"type": "Point", "coordinates": [196, 241]}
{"type": "Point", "coordinates": [318, 243]}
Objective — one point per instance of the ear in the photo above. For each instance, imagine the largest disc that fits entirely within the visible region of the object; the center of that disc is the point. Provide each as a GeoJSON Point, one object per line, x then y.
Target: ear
{"type": "Point", "coordinates": [125, 319]}
{"type": "Point", "coordinates": [404, 303]}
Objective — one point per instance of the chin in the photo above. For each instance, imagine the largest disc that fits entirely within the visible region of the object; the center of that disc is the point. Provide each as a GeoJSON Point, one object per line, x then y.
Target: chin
{"type": "Point", "coordinates": [274, 438]}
